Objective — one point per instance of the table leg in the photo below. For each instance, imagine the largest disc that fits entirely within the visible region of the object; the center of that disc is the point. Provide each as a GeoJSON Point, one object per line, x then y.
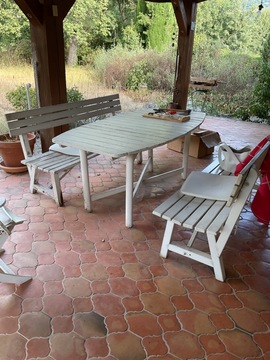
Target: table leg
{"type": "Point", "coordinates": [129, 189]}
{"type": "Point", "coordinates": [150, 155]}
{"type": "Point", "coordinates": [85, 181]}
{"type": "Point", "coordinates": [185, 156]}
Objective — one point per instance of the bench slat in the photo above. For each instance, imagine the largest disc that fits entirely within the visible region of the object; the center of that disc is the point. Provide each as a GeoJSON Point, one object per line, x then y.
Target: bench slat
{"type": "Point", "coordinates": [171, 213]}
{"type": "Point", "coordinates": [187, 210]}
{"type": "Point", "coordinates": [62, 114]}
{"type": "Point", "coordinates": [210, 216]}
{"type": "Point", "coordinates": [168, 203]}
{"type": "Point", "coordinates": [62, 107]}
{"type": "Point", "coordinates": [199, 214]}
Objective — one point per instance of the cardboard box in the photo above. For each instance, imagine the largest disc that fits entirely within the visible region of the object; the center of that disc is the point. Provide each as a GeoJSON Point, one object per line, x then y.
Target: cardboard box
{"type": "Point", "coordinates": [202, 143]}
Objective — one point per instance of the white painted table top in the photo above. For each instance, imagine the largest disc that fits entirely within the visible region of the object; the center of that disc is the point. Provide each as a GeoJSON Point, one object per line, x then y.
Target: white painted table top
{"type": "Point", "coordinates": [127, 133]}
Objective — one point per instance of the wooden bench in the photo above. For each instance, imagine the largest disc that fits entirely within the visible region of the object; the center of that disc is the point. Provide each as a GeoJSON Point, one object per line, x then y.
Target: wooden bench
{"type": "Point", "coordinates": [212, 215]}
{"type": "Point", "coordinates": [57, 161]}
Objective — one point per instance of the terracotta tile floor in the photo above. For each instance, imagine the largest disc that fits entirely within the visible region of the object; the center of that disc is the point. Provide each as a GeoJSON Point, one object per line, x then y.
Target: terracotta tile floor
{"type": "Point", "coordinates": [101, 291]}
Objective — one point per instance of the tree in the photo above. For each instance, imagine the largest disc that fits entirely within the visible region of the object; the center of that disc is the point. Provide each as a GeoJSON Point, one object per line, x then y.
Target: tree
{"type": "Point", "coordinates": [261, 98]}
{"type": "Point", "coordinates": [89, 25]}
{"type": "Point", "coordinates": [124, 14]}
{"type": "Point", "coordinates": [231, 26]}
{"type": "Point", "coordinates": [14, 29]}
{"type": "Point", "coordinates": [157, 25]}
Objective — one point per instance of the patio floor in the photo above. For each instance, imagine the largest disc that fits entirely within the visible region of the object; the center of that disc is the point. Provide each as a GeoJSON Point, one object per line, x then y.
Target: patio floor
{"type": "Point", "coordinates": [101, 291]}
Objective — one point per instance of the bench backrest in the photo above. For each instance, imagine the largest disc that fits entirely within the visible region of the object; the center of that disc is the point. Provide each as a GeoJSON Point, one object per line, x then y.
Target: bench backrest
{"type": "Point", "coordinates": [223, 187]}
{"type": "Point", "coordinates": [47, 117]}
{"type": "Point", "coordinates": [255, 163]}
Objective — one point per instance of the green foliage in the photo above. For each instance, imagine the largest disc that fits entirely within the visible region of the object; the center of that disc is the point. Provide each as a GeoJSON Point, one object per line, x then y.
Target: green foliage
{"type": "Point", "coordinates": [112, 66]}
{"type": "Point", "coordinates": [14, 31]}
{"type": "Point", "coordinates": [227, 46]}
{"type": "Point", "coordinates": [13, 24]}
{"type": "Point", "coordinates": [235, 73]}
{"type": "Point", "coordinates": [88, 25]}
{"type": "Point", "coordinates": [122, 68]}
{"type": "Point", "coordinates": [161, 27]}
{"type": "Point", "coordinates": [260, 105]}
{"type": "Point", "coordinates": [131, 39]}
{"type": "Point", "coordinates": [230, 26]}
{"type": "Point", "coordinates": [139, 75]}
{"type": "Point", "coordinates": [18, 97]}
{"type": "Point", "coordinates": [73, 94]}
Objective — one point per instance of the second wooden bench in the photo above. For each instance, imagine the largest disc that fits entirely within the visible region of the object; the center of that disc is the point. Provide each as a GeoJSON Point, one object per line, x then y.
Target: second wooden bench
{"type": "Point", "coordinates": [57, 161]}
{"type": "Point", "coordinates": [210, 205]}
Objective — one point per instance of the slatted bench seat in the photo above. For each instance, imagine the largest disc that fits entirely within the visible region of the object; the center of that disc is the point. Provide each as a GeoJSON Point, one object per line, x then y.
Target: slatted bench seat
{"type": "Point", "coordinates": [215, 216]}
{"type": "Point", "coordinates": [57, 161]}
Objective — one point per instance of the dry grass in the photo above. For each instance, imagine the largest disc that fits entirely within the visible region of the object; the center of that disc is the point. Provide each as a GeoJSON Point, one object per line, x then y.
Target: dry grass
{"type": "Point", "coordinates": [81, 77]}
{"type": "Point", "coordinates": [12, 77]}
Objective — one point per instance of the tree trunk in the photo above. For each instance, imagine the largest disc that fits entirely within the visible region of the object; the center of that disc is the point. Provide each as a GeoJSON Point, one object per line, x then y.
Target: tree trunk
{"type": "Point", "coordinates": [72, 52]}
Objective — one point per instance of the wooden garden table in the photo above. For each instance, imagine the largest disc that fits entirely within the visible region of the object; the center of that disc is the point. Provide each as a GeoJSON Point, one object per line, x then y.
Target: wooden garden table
{"type": "Point", "coordinates": [127, 134]}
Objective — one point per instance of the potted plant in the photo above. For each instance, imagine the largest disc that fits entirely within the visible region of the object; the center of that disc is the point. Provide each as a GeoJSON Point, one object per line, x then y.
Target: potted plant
{"type": "Point", "coordinates": [11, 150]}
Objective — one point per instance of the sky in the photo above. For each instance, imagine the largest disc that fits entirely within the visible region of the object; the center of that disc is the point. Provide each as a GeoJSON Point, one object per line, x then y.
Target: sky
{"type": "Point", "coordinates": [265, 3]}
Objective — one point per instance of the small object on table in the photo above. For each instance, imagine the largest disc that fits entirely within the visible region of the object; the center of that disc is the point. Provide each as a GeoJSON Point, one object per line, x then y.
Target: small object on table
{"type": "Point", "coordinates": [170, 114]}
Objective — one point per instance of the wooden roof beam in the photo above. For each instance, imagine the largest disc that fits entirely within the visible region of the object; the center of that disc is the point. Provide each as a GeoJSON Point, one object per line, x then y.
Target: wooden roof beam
{"type": "Point", "coordinates": [181, 16]}
{"type": "Point", "coordinates": [32, 10]}
{"type": "Point", "coordinates": [66, 6]}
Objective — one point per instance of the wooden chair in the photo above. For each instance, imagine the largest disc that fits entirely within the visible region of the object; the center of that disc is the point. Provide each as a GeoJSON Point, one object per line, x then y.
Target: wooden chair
{"type": "Point", "coordinates": [210, 204]}
{"type": "Point", "coordinates": [57, 161]}
{"type": "Point", "coordinates": [7, 222]}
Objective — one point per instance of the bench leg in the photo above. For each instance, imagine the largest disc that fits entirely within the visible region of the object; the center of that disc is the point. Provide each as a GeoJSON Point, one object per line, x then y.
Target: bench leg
{"type": "Point", "coordinates": [185, 156]}
{"type": "Point", "coordinates": [57, 192]}
{"type": "Point", "coordinates": [192, 238]}
{"type": "Point", "coordinates": [85, 181]}
{"type": "Point", "coordinates": [150, 156]}
{"type": "Point", "coordinates": [129, 189]}
{"type": "Point", "coordinates": [33, 171]}
{"type": "Point", "coordinates": [139, 158]}
{"type": "Point", "coordinates": [216, 258]}
{"type": "Point", "coordinates": [166, 239]}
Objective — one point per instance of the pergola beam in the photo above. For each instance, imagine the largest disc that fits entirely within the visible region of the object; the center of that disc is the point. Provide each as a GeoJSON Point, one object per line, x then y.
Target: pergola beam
{"type": "Point", "coordinates": [180, 14]}
{"type": "Point", "coordinates": [46, 26]}
{"type": "Point", "coordinates": [32, 10]}
{"type": "Point", "coordinates": [184, 58]}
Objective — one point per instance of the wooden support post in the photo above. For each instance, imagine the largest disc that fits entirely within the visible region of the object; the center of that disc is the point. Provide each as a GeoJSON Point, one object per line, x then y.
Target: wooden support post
{"type": "Point", "coordinates": [46, 26]}
{"type": "Point", "coordinates": [184, 57]}
{"type": "Point", "coordinates": [49, 68]}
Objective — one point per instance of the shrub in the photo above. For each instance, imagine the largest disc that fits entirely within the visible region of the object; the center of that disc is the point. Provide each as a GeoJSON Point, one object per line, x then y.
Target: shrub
{"type": "Point", "coordinates": [139, 75]}
{"type": "Point", "coordinates": [18, 97]}
{"type": "Point", "coordinates": [112, 66]}
{"type": "Point", "coordinates": [260, 105]}
{"type": "Point", "coordinates": [233, 95]}
{"type": "Point", "coordinates": [123, 68]}
{"type": "Point", "coordinates": [73, 94]}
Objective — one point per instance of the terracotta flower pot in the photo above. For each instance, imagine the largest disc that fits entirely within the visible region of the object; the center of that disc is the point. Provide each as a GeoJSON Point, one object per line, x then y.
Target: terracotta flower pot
{"type": "Point", "coordinates": [12, 154]}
